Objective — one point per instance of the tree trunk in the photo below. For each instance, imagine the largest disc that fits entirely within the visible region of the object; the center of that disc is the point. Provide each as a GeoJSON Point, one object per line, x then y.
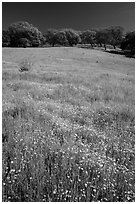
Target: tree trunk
{"type": "Point", "coordinates": [91, 45]}
{"type": "Point", "coordinates": [105, 46]}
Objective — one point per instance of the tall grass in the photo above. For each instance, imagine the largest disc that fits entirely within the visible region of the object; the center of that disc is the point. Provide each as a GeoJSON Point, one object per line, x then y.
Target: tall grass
{"type": "Point", "coordinates": [68, 138]}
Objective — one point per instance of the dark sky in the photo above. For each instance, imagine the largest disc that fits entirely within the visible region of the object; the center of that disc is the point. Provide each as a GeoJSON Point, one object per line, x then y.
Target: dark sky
{"type": "Point", "coordinates": [76, 15]}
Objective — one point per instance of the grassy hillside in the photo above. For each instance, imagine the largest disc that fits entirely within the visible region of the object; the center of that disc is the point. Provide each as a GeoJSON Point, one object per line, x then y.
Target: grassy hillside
{"type": "Point", "coordinates": [68, 125]}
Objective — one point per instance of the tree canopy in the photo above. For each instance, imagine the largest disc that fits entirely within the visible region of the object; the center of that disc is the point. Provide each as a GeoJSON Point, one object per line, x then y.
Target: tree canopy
{"type": "Point", "coordinates": [128, 42]}
{"type": "Point", "coordinates": [72, 36]}
{"type": "Point", "coordinates": [20, 30]}
{"type": "Point", "coordinates": [115, 35]}
{"type": "Point", "coordinates": [5, 38]}
{"type": "Point", "coordinates": [50, 36]}
{"type": "Point", "coordinates": [23, 34]}
{"type": "Point", "coordinates": [102, 37]}
{"type": "Point", "coordinates": [88, 37]}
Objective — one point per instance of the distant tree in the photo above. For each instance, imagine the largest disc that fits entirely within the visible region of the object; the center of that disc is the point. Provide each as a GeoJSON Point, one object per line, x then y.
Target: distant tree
{"type": "Point", "coordinates": [88, 37]}
{"type": "Point", "coordinates": [115, 35]}
{"type": "Point", "coordinates": [72, 36]}
{"type": "Point", "coordinates": [24, 42]}
{"type": "Point", "coordinates": [43, 41]}
{"type": "Point", "coordinates": [22, 29]}
{"type": "Point", "coordinates": [5, 38]}
{"type": "Point", "coordinates": [60, 38]}
{"type": "Point", "coordinates": [36, 42]}
{"type": "Point", "coordinates": [128, 42]}
{"type": "Point", "coordinates": [102, 37]}
{"type": "Point", "coordinates": [50, 36]}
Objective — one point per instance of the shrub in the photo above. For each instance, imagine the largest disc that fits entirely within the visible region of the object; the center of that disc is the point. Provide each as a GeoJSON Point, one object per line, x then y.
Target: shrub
{"type": "Point", "coordinates": [25, 65]}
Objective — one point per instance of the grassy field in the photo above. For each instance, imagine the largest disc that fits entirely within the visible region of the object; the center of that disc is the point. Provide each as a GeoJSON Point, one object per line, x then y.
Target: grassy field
{"type": "Point", "coordinates": [68, 125]}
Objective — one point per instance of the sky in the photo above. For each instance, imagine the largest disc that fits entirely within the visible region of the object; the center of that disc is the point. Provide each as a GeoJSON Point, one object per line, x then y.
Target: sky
{"type": "Point", "coordinates": [75, 15]}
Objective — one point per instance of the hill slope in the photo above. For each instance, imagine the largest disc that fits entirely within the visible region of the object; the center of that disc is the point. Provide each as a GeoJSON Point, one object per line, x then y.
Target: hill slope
{"type": "Point", "coordinates": [68, 125]}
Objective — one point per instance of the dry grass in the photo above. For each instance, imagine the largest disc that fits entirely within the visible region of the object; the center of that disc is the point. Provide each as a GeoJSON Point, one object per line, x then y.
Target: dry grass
{"type": "Point", "coordinates": [68, 126]}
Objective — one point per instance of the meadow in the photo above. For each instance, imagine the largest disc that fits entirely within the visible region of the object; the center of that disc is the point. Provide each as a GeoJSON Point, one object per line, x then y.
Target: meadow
{"type": "Point", "coordinates": [68, 125]}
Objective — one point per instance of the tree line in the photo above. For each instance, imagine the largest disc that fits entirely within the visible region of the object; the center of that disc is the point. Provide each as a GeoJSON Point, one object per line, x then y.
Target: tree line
{"type": "Point", "coordinates": [23, 34]}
